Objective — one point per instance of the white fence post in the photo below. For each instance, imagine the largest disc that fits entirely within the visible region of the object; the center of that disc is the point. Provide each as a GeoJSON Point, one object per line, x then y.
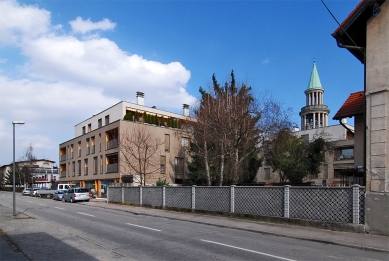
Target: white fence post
{"type": "Point", "coordinates": [286, 201]}
{"type": "Point", "coordinates": [163, 196]}
{"type": "Point", "coordinates": [355, 192]}
{"type": "Point", "coordinates": [122, 194]}
{"type": "Point", "coordinates": [232, 199]}
{"type": "Point", "coordinates": [140, 196]}
{"type": "Point", "coordinates": [193, 198]}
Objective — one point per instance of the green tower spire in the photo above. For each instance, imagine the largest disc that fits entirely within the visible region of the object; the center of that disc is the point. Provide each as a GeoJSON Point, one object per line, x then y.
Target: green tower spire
{"type": "Point", "coordinates": [314, 82]}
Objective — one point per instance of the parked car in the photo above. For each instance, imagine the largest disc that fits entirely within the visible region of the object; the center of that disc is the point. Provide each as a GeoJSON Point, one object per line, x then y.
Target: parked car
{"type": "Point", "coordinates": [76, 194]}
{"type": "Point", "coordinates": [58, 194]}
{"type": "Point", "coordinates": [33, 192]}
{"type": "Point", "coordinates": [26, 191]}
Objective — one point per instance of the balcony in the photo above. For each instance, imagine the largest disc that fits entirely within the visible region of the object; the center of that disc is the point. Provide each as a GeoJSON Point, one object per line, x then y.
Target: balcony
{"type": "Point", "coordinates": [111, 168]}
{"type": "Point", "coordinates": [63, 157]}
{"type": "Point", "coordinates": [111, 144]}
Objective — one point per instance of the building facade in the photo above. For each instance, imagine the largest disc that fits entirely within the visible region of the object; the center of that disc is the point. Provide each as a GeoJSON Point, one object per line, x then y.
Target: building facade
{"type": "Point", "coordinates": [42, 173]}
{"type": "Point", "coordinates": [365, 33]}
{"type": "Point", "coordinates": [94, 158]}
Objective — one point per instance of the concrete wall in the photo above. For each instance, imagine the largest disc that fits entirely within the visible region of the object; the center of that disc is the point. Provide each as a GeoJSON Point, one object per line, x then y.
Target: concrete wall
{"type": "Point", "coordinates": [377, 122]}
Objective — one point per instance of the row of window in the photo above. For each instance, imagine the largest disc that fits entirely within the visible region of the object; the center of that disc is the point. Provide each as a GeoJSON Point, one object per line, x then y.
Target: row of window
{"type": "Point", "coordinates": [99, 125]}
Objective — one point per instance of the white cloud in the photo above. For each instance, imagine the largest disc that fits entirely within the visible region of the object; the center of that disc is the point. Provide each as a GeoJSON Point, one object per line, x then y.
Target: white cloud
{"type": "Point", "coordinates": [85, 26]}
{"type": "Point", "coordinates": [266, 61]}
{"type": "Point", "coordinates": [66, 80]}
{"type": "Point", "coordinates": [18, 22]}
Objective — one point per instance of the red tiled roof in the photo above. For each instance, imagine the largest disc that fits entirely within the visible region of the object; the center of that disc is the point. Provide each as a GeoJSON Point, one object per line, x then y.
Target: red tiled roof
{"type": "Point", "coordinates": [354, 105]}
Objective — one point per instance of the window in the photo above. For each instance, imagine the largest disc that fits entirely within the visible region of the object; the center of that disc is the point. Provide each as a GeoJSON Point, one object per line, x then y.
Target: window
{"type": "Point", "coordinates": [93, 145]}
{"type": "Point", "coordinates": [87, 147]}
{"type": "Point", "coordinates": [101, 164]}
{"type": "Point", "coordinates": [89, 127]}
{"type": "Point", "coordinates": [86, 167]}
{"type": "Point", "coordinates": [185, 143]}
{"type": "Point", "coordinates": [73, 168]}
{"type": "Point", "coordinates": [79, 149]}
{"type": "Point", "coordinates": [71, 151]}
{"type": "Point", "coordinates": [107, 120]}
{"type": "Point", "coordinates": [163, 165]}
{"type": "Point", "coordinates": [305, 137]}
{"type": "Point", "coordinates": [95, 165]}
{"type": "Point", "coordinates": [79, 168]}
{"type": "Point", "coordinates": [179, 165]}
{"type": "Point", "coordinates": [100, 142]}
{"type": "Point", "coordinates": [267, 174]}
{"type": "Point", "coordinates": [167, 142]}
{"type": "Point", "coordinates": [344, 154]}
{"type": "Point", "coordinates": [83, 130]}
{"type": "Point", "coordinates": [69, 169]}
{"type": "Point", "coordinates": [100, 123]}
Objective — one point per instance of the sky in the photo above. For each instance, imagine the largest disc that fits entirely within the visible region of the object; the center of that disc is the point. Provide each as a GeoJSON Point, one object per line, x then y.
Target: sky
{"type": "Point", "coordinates": [62, 61]}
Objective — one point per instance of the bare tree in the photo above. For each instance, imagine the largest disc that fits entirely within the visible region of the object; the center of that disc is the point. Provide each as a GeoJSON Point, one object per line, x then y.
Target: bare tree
{"type": "Point", "coordinates": [140, 150]}
{"type": "Point", "coordinates": [26, 165]}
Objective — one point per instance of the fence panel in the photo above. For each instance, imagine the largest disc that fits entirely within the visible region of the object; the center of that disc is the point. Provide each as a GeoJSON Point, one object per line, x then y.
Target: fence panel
{"type": "Point", "coordinates": [213, 199]}
{"type": "Point", "coordinates": [152, 196]}
{"type": "Point", "coordinates": [265, 201]}
{"type": "Point", "coordinates": [178, 197]}
{"type": "Point", "coordinates": [115, 194]}
{"type": "Point", "coordinates": [362, 191]}
{"type": "Point", "coordinates": [131, 195]}
{"type": "Point", "coordinates": [326, 204]}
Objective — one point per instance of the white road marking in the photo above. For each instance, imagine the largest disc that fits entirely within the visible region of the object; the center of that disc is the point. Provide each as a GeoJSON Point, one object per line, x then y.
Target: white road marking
{"type": "Point", "coordinates": [59, 208]}
{"type": "Point", "coordinates": [43, 205]}
{"type": "Point", "coordinates": [143, 227]}
{"type": "Point", "coordinates": [248, 250]}
{"type": "Point", "coordinates": [30, 202]}
{"type": "Point", "coordinates": [85, 214]}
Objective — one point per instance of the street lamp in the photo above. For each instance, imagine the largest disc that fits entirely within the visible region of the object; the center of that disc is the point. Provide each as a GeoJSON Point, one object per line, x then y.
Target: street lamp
{"type": "Point", "coordinates": [13, 170]}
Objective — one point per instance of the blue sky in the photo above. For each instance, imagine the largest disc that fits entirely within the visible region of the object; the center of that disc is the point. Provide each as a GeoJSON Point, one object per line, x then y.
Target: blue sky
{"type": "Point", "coordinates": [63, 61]}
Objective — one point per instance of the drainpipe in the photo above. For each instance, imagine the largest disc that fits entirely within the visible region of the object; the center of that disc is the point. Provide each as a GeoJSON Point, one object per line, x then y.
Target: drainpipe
{"type": "Point", "coordinates": [344, 125]}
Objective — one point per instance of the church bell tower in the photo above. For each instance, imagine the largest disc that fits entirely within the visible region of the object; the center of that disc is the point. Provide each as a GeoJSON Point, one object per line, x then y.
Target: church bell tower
{"type": "Point", "coordinates": [314, 114]}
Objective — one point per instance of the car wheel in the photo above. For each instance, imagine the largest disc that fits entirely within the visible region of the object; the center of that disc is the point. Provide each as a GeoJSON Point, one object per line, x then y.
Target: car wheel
{"type": "Point", "coordinates": [71, 200]}
{"type": "Point", "coordinates": [87, 200]}
{"type": "Point", "coordinates": [63, 200]}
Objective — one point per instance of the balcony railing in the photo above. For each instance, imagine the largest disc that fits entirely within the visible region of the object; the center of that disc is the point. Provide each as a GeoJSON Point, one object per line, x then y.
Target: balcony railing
{"type": "Point", "coordinates": [63, 174]}
{"type": "Point", "coordinates": [112, 168]}
{"type": "Point", "coordinates": [93, 149]}
{"type": "Point", "coordinates": [63, 157]}
{"type": "Point", "coordinates": [112, 144]}
{"type": "Point", "coordinates": [87, 151]}
{"type": "Point", "coordinates": [79, 153]}
{"type": "Point", "coordinates": [71, 154]}
{"type": "Point", "coordinates": [86, 171]}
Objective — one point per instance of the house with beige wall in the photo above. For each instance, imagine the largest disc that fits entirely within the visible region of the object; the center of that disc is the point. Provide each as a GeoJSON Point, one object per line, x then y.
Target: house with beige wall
{"type": "Point", "coordinates": [93, 158]}
{"type": "Point", "coordinates": [365, 34]}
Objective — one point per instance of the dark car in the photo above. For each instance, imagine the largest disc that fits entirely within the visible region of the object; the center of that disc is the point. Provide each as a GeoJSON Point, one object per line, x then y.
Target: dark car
{"type": "Point", "coordinates": [58, 194]}
{"type": "Point", "coordinates": [76, 194]}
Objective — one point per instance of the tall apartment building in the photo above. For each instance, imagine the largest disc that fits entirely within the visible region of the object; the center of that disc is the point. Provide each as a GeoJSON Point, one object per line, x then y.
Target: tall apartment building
{"type": "Point", "coordinates": [93, 158]}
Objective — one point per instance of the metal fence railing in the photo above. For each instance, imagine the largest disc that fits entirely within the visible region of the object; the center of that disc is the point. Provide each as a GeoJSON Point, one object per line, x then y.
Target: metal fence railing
{"type": "Point", "coordinates": [343, 204]}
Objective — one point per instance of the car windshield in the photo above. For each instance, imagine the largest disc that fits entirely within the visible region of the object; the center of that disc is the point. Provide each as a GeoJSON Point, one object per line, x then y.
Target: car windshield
{"type": "Point", "coordinates": [60, 192]}
{"type": "Point", "coordinates": [81, 190]}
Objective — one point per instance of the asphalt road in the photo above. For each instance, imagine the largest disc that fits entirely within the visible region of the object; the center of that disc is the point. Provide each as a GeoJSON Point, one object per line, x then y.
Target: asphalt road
{"type": "Point", "coordinates": [82, 232]}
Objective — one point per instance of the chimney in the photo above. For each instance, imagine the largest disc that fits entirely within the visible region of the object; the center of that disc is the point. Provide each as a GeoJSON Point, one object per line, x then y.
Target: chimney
{"type": "Point", "coordinates": [344, 120]}
{"type": "Point", "coordinates": [140, 98]}
{"type": "Point", "coordinates": [186, 110]}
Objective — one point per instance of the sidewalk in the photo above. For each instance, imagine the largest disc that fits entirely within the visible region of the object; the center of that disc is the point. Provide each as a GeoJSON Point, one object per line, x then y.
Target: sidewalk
{"type": "Point", "coordinates": [347, 239]}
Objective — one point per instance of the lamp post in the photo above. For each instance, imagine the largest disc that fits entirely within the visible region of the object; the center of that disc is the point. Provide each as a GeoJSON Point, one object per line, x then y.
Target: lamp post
{"type": "Point", "coordinates": [13, 170]}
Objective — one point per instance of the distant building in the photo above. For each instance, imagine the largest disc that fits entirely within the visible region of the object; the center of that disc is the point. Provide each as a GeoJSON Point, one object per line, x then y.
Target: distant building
{"type": "Point", "coordinates": [93, 159]}
{"type": "Point", "coordinates": [314, 123]}
{"type": "Point", "coordinates": [42, 173]}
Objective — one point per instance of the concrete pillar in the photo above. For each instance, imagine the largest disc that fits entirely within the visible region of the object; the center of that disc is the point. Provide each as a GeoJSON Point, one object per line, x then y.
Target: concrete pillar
{"type": "Point", "coordinates": [193, 198]}
{"type": "Point", "coordinates": [314, 120]}
{"type": "Point", "coordinates": [232, 199]}
{"type": "Point", "coordinates": [286, 201]}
